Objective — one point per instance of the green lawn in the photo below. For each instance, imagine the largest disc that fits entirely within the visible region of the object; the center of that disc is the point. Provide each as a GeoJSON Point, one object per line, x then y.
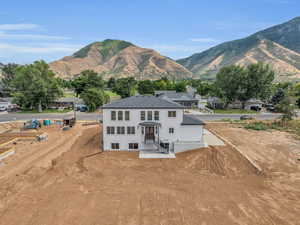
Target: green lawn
{"type": "Point", "coordinates": [47, 111]}
{"type": "Point", "coordinates": [69, 94]}
{"type": "Point", "coordinates": [111, 94]}
{"type": "Point", "coordinates": [234, 111]}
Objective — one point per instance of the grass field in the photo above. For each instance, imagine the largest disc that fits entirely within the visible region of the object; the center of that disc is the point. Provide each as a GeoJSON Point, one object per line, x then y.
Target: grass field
{"type": "Point", "coordinates": [292, 126]}
{"type": "Point", "coordinates": [234, 111]}
{"type": "Point", "coordinates": [47, 111]}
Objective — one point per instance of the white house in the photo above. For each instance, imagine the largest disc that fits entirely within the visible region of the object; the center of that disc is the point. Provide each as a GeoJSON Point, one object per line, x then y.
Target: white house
{"type": "Point", "coordinates": [150, 123]}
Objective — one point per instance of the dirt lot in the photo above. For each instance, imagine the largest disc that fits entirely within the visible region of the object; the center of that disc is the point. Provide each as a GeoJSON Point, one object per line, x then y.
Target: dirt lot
{"type": "Point", "coordinates": [67, 180]}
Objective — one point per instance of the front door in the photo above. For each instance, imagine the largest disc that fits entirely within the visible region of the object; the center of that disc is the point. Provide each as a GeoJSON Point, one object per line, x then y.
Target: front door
{"type": "Point", "coordinates": [149, 134]}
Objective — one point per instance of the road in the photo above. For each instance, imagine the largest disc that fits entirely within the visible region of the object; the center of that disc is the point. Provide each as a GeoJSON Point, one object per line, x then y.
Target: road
{"type": "Point", "coordinates": [4, 117]}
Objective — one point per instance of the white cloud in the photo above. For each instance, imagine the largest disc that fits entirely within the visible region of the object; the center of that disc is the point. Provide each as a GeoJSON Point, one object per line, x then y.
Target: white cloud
{"type": "Point", "coordinates": [7, 49]}
{"type": "Point", "coordinates": [4, 35]}
{"type": "Point", "coordinates": [204, 40]}
{"type": "Point", "coordinates": [20, 26]}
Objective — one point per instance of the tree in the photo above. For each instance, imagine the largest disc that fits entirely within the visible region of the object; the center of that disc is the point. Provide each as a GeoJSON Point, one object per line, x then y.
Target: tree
{"type": "Point", "coordinates": [239, 83]}
{"type": "Point", "coordinates": [35, 86]}
{"type": "Point", "coordinates": [229, 81]}
{"type": "Point", "coordinates": [87, 79]}
{"type": "Point", "coordinates": [125, 87]}
{"type": "Point", "coordinates": [205, 88]}
{"type": "Point", "coordinates": [94, 98]}
{"type": "Point", "coordinates": [298, 102]}
{"type": "Point", "coordinates": [297, 89]}
{"type": "Point", "coordinates": [8, 74]}
{"type": "Point", "coordinates": [180, 86]}
{"type": "Point", "coordinates": [111, 83]}
{"type": "Point", "coordinates": [286, 108]}
{"type": "Point", "coordinates": [146, 87]}
{"type": "Point", "coordinates": [256, 83]}
{"type": "Point", "coordinates": [278, 96]}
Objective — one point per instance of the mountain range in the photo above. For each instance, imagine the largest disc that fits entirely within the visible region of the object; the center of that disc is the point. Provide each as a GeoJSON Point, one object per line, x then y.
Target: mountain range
{"type": "Point", "coordinates": [278, 46]}
{"type": "Point", "coordinates": [119, 59]}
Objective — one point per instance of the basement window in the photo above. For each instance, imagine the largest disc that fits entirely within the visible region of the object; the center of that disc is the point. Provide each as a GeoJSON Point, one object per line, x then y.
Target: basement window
{"type": "Point", "coordinates": [133, 146]}
{"type": "Point", "coordinates": [115, 146]}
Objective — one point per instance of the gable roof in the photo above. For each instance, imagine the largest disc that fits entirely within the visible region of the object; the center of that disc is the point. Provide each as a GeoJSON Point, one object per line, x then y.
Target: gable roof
{"type": "Point", "coordinates": [191, 120]}
{"type": "Point", "coordinates": [142, 102]}
{"type": "Point", "coordinates": [176, 96]}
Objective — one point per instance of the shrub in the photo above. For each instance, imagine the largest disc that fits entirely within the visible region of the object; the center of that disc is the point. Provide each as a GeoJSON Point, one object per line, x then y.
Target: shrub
{"type": "Point", "coordinates": [256, 126]}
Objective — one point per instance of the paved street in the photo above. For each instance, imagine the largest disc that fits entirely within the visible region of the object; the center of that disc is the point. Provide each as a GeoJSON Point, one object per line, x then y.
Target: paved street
{"type": "Point", "coordinates": [4, 117]}
{"type": "Point", "coordinates": [27, 116]}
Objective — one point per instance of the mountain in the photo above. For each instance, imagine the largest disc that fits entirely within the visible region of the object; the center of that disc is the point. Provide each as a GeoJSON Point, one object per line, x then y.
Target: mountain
{"type": "Point", "coordinates": [278, 46]}
{"type": "Point", "coordinates": [119, 59]}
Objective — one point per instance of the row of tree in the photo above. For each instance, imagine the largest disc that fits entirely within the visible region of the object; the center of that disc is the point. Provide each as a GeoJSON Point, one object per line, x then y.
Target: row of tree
{"type": "Point", "coordinates": [35, 86]}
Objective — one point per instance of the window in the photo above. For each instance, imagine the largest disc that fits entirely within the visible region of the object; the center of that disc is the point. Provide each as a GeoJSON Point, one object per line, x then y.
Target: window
{"type": "Point", "coordinates": [113, 115]}
{"type": "Point", "coordinates": [171, 113]}
{"type": "Point", "coordinates": [120, 130]}
{"type": "Point", "coordinates": [115, 146]}
{"type": "Point", "coordinates": [143, 130]}
{"type": "Point", "coordinates": [171, 130]}
{"type": "Point", "coordinates": [149, 115]}
{"type": "Point", "coordinates": [133, 145]}
{"type": "Point", "coordinates": [127, 115]}
{"type": "Point", "coordinates": [120, 115]}
{"type": "Point", "coordinates": [156, 115]}
{"type": "Point", "coordinates": [143, 115]}
{"type": "Point", "coordinates": [130, 130]}
{"type": "Point", "coordinates": [110, 130]}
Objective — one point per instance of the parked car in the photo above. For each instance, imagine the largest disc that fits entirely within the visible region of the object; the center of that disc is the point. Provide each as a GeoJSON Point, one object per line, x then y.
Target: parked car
{"type": "Point", "coordinates": [270, 107]}
{"type": "Point", "coordinates": [255, 108]}
{"type": "Point", "coordinates": [3, 109]}
{"type": "Point", "coordinates": [246, 117]}
{"type": "Point", "coordinates": [83, 109]}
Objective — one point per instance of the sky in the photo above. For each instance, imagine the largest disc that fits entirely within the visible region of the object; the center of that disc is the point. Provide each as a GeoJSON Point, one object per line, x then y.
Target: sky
{"type": "Point", "coordinates": [33, 29]}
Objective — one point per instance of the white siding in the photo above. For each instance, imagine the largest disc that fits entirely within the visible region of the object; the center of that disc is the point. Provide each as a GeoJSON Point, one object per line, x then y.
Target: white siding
{"type": "Point", "coordinates": [135, 119]}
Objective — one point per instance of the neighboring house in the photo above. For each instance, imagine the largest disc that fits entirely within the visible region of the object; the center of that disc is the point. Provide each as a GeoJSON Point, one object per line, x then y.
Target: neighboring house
{"type": "Point", "coordinates": [150, 123]}
{"type": "Point", "coordinates": [251, 104]}
{"type": "Point", "coordinates": [182, 98]}
{"type": "Point", "coordinates": [67, 102]}
{"type": "Point", "coordinates": [7, 103]}
{"type": "Point", "coordinates": [215, 103]}
{"type": "Point", "coordinates": [191, 91]}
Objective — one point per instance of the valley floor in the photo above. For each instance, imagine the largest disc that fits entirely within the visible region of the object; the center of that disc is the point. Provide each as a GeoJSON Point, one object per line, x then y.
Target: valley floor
{"type": "Point", "coordinates": [68, 180]}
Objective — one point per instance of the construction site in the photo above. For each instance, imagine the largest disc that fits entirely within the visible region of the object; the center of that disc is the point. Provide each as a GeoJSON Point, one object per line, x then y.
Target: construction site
{"type": "Point", "coordinates": [51, 174]}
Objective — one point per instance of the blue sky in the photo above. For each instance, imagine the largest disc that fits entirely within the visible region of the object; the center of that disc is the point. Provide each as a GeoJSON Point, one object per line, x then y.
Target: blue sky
{"type": "Point", "coordinates": [34, 29]}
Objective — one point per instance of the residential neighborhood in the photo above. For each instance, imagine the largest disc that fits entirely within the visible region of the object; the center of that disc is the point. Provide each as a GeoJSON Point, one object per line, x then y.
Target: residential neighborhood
{"type": "Point", "coordinates": [150, 112]}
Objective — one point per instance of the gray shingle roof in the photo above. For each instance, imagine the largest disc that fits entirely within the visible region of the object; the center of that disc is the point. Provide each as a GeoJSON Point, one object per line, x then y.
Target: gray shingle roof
{"type": "Point", "coordinates": [177, 96]}
{"type": "Point", "coordinates": [142, 102]}
{"type": "Point", "coordinates": [191, 120]}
